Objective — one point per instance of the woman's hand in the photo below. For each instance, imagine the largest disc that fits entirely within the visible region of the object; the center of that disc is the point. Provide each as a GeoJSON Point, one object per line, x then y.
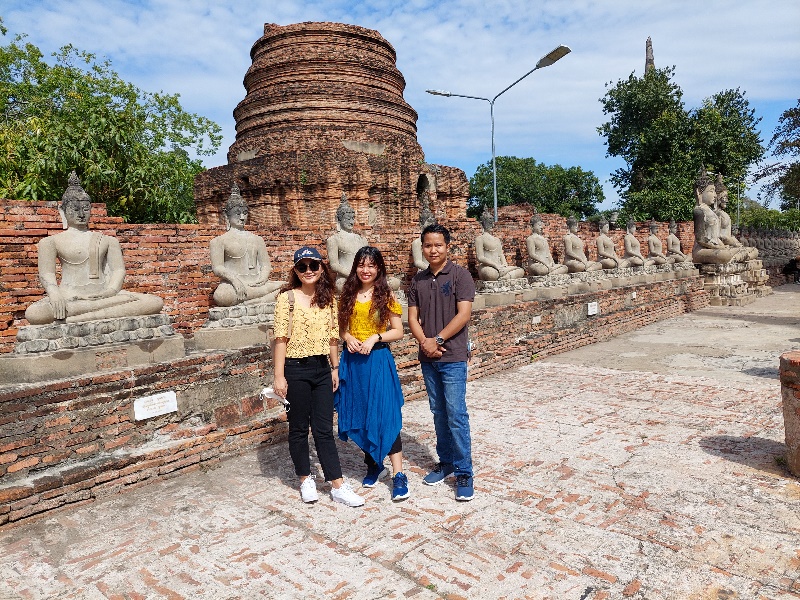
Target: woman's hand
{"type": "Point", "coordinates": [335, 379]}
{"type": "Point", "coordinates": [353, 345]}
{"type": "Point", "coordinates": [367, 344]}
{"type": "Point", "coordinates": [281, 387]}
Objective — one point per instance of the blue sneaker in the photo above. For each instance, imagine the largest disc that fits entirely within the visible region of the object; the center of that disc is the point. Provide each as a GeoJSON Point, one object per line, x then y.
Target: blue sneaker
{"type": "Point", "coordinates": [464, 489]}
{"type": "Point", "coordinates": [374, 473]}
{"type": "Point", "coordinates": [440, 471]}
{"type": "Point", "coordinates": [399, 487]}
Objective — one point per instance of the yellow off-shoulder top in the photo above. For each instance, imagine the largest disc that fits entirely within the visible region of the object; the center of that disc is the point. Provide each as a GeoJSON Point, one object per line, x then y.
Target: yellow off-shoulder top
{"type": "Point", "coordinates": [362, 324]}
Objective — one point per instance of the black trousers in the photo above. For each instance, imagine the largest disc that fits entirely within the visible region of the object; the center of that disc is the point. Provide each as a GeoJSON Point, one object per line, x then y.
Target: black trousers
{"type": "Point", "coordinates": [397, 446]}
{"type": "Point", "coordinates": [310, 397]}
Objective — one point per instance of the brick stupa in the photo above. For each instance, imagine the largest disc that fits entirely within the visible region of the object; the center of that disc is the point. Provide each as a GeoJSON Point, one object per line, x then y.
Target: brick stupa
{"type": "Point", "coordinates": [324, 114]}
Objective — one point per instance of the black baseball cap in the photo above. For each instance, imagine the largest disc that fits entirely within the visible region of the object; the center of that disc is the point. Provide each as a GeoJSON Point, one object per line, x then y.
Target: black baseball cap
{"type": "Point", "coordinates": [306, 252]}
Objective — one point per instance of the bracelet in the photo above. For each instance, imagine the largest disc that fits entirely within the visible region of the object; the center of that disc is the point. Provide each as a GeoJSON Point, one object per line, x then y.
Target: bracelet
{"type": "Point", "coordinates": [380, 337]}
{"type": "Point", "coordinates": [333, 368]}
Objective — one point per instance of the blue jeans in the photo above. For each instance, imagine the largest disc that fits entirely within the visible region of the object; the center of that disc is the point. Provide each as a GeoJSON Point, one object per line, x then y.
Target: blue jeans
{"type": "Point", "coordinates": [447, 393]}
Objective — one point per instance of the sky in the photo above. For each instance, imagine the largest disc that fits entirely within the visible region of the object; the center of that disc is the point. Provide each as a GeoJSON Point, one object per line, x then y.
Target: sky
{"type": "Point", "coordinates": [200, 49]}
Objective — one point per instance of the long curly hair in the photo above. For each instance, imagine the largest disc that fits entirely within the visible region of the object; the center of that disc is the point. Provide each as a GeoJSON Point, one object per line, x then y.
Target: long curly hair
{"type": "Point", "coordinates": [324, 290]}
{"type": "Point", "coordinates": [381, 293]}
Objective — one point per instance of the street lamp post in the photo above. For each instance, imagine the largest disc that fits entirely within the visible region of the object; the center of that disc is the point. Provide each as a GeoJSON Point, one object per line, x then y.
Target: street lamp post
{"type": "Point", "coordinates": [545, 61]}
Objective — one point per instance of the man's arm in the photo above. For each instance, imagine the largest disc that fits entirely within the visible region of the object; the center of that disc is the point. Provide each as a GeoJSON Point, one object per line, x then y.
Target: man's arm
{"type": "Point", "coordinates": [428, 346]}
{"type": "Point", "coordinates": [463, 314]}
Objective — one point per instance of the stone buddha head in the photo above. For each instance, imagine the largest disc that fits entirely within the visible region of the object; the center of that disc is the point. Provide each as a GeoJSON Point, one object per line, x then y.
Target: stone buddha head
{"type": "Point", "coordinates": [537, 225]}
{"type": "Point", "coordinates": [236, 210]}
{"type": "Point", "coordinates": [76, 206]}
{"type": "Point", "coordinates": [345, 215]}
{"type": "Point", "coordinates": [673, 227]}
{"type": "Point", "coordinates": [572, 224]}
{"type": "Point", "coordinates": [704, 190]}
{"type": "Point", "coordinates": [602, 224]}
{"type": "Point", "coordinates": [487, 220]}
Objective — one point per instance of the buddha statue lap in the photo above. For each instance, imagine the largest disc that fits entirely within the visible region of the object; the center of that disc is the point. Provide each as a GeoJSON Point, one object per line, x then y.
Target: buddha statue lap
{"type": "Point", "coordinates": [92, 271]}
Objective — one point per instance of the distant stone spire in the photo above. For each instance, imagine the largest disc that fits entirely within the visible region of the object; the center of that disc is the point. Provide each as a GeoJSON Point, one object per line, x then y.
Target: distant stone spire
{"type": "Point", "coordinates": [649, 62]}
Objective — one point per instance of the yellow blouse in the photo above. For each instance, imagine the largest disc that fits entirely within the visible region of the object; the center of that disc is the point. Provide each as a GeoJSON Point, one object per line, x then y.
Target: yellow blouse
{"type": "Point", "coordinates": [312, 328]}
{"type": "Point", "coordinates": [363, 325]}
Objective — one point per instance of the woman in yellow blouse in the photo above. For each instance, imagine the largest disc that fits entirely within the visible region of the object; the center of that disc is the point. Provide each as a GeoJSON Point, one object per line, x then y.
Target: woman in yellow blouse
{"type": "Point", "coordinates": [369, 397]}
{"type": "Point", "coordinates": [306, 362]}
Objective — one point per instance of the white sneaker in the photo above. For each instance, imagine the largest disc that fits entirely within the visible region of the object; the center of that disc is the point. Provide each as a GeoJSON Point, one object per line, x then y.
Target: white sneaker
{"type": "Point", "coordinates": [346, 496]}
{"type": "Point", "coordinates": [308, 490]}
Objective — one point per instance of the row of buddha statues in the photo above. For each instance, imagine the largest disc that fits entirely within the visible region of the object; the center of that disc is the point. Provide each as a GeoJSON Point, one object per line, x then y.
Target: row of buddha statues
{"type": "Point", "coordinates": [714, 242]}
{"type": "Point", "coordinates": [492, 264]}
{"type": "Point", "coordinates": [92, 267]}
{"type": "Point", "coordinates": [772, 243]}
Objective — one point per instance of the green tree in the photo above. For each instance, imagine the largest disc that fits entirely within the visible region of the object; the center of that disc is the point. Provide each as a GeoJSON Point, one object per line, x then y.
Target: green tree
{"type": "Point", "coordinates": [664, 145]}
{"type": "Point", "coordinates": [129, 147]}
{"type": "Point", "coordinates": [553, 189]}
{"type": "Point", "coordinates": [783, 178]}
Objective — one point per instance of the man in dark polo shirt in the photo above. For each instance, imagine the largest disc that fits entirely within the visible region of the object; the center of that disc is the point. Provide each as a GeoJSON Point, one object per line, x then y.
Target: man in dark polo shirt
{"type": "Point", "coordinates": [439, 308]}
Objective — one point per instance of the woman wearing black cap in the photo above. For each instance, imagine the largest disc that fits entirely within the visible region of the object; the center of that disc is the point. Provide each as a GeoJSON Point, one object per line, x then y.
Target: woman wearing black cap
{"type": "Point", "coordinates": [306, 370]}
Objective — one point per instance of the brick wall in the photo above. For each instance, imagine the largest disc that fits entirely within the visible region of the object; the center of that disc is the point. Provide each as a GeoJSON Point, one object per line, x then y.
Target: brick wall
{"type": "Point", "coordinates": [790, 393]}
{"type": "Point", "coordinates": [172, 261]}
{"type": "Point", "coordinates": [71, 441]}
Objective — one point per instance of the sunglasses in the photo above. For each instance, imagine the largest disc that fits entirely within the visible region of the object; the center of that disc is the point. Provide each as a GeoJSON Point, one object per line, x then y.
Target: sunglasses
{"type": "Point", "coordinates": [302, 267]}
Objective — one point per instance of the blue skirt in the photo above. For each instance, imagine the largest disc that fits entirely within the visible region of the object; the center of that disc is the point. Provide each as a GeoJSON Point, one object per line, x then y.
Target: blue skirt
{"type": "Point", "coordinates": [369, 400]}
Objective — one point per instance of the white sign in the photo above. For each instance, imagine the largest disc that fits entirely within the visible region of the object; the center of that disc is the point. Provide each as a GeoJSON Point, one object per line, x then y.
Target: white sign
{"type": "Point", "coordinates": [155, 405]}
{"type": "Point", "coordinates": [591, 308]}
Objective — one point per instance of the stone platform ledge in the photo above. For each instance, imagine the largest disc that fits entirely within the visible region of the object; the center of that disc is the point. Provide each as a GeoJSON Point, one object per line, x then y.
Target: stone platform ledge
{"type": "Point", "coordinates": [730, 268]}
{"type": "Point", "coordinates": [229, 338]}
{"type": "Point", "coordinates": [240, 316]}
{"type": "Point", "coordinates": [61, 364]}
{"type": "Point", "coordinates": [55, 337]}
{"type": "Point", "coordinates": [790, 393]}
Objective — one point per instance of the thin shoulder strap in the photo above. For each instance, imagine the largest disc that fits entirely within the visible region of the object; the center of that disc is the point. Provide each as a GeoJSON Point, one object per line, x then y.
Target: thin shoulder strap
{"type": "Point", "coordinates": [290, 298]}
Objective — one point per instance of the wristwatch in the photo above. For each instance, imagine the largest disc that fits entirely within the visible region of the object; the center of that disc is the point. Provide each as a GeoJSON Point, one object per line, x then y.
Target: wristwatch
{"type": "Point", "coordinates": [439, 340]}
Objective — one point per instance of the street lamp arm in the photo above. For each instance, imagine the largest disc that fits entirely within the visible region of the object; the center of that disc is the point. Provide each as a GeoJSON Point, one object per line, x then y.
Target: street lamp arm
{"type": "Point", "coordinates": [515, 83]}
{"type": "Point", "coordinates": [473, 97]}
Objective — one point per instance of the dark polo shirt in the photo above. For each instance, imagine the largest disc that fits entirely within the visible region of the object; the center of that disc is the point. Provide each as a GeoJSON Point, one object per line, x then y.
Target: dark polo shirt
{"type": "Point", "coordinates": [436, 297]}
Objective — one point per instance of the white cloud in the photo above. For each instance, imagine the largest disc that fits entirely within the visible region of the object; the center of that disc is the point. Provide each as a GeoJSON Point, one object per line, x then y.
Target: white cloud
{"type": "Point", "coordinates": [474, 47]}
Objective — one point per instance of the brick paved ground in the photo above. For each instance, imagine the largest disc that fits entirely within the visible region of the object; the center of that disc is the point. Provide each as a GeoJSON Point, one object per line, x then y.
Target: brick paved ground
{"type": "Point", "coordinates": [661, 479]}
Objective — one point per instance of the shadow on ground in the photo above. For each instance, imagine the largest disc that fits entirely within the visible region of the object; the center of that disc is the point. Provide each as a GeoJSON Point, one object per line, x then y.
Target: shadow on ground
{"type": "Point", "coordinates": [756, 452]}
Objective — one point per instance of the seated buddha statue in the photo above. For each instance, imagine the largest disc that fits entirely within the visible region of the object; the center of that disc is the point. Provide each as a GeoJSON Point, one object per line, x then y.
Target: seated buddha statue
{"type": "Point", "coordinates": [492, 264]}
{"type": "Point", "coordinates": [656, 248]}
{"type": "Point", "coordinates": [606, 250]}
{"type": "Point", "coordinates": [575, 251]}
{"type": "Point", "coordinates": [240, 259]}
{"type": "Point", "coordinates": [708, 248]}
{"type": "Point", "coordinates": [674, 244]}
{"type": "Point", "coordinates": [540, 259]}
{"type": "Point", "coordinates": [92, 271]}
{"type": "Point", "coordinates": [633, 250]}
